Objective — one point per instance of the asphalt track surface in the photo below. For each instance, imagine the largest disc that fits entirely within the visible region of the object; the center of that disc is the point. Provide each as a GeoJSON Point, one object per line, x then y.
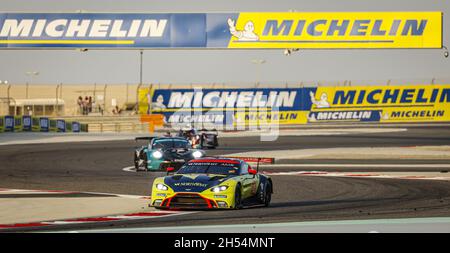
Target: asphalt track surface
{"type": "Point", "coordinates": [97, 167]}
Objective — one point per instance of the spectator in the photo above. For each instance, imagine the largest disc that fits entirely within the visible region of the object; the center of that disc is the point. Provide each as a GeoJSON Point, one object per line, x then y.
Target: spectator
{"type": "Point", "coordinates": [89, 105]}
{"type": "Point", "coordinates": [85, 105]}
{"type": "Point", "coordinates": [30, 112]}
{"type": "Point", "coordinates": [116, 110]}
{"type": "Point", "coordinates": [80, 104]}
{"type": "Point", "coordinates": [100, 109]}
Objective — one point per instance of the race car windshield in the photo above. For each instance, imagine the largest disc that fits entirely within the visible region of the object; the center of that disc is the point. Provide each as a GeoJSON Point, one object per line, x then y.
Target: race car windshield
{"type": "Point", "coordinates": [221, 169]}
{"type": "Point", "coordinates": [170, 143]}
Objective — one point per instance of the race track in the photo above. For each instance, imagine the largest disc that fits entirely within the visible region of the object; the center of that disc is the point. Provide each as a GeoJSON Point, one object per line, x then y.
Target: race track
{"type": "Point", "coordinates": [97, 167]}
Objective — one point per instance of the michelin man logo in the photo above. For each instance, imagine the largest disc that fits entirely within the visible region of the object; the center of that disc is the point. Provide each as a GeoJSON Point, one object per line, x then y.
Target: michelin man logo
{"type": "Point", "coordinates": [247, 34]}
{"type": "Point", "coordinates": [322, 103]}
{"type": "Point", "coordinates": [384, 116]}
{"type": "Point", "coordinates": [158, 105]}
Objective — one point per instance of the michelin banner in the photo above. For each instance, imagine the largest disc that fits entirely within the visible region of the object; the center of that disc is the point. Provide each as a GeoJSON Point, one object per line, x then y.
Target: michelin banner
{"type": "Point", "coordinates": [227, 106]}
{"type": "Point", "coordinates": [385, 104]}
{"type": "Point", "coordinates": [253, 30]}
{"type": "Point", "coordinates": [410, 103]}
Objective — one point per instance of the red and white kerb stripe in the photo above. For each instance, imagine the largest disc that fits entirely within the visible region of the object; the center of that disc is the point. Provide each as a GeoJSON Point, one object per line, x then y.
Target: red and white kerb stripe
{"type": "Point", "coordinates": [130, 216]}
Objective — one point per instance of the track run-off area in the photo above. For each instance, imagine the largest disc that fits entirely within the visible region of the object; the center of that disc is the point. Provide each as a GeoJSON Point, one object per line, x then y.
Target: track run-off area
{"type": "Point", "coordinates": [340, 176]}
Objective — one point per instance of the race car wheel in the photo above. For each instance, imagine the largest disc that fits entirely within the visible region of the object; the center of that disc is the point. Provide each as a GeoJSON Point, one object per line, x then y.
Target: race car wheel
{"type": "Point", "coordinates": [145, 164]}
{"type": "Point", "coordinates": [136, 162]}
{"type": "Point", "coordinates": [267, 194]}
{"type": "Point", "coordinates": [202, 142]}
{"type": "Point", "coordinates": [238, 198]}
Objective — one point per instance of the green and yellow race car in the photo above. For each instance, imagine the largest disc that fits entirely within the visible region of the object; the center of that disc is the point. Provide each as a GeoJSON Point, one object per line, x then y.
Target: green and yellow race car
{"type": "Point", "coordinates": [211, 183]}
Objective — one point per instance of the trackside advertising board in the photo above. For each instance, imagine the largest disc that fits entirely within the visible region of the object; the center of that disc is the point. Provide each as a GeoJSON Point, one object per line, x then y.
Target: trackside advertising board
{"type": "Point", "coordinates": [227, 106]}
{"type": "Point", "coordinates": [10, 123]}
{"type": "Point", "coordinates": [402, 103]}
{"type": "Point", "coordinates": [414, 103]}
{"type": "Point", "coordinates": [253, 30]}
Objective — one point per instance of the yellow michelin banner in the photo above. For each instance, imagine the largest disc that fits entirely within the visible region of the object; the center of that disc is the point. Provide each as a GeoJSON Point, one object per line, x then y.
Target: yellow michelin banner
{"type": "Point", "coordinates": [307, 105]}
{"type": "Point", "coordinates": [264, 117]}
{"type": "Point", "coordinates": [336, 30]}
{"type": "Point", "coordinates": [402, 103]}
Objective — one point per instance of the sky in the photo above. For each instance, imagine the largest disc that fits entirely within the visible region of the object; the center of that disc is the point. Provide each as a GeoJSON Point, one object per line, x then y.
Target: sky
{"type": "Point", "coordinates": [224, 66]}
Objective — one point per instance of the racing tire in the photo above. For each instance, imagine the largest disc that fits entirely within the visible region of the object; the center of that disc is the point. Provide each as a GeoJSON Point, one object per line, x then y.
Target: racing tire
{"type": "Point", "coordinates": [202, 140]}
{"type": "Point", "coordinates": [136, 162]}
{"type": "Point", "coordinates": [145, 163]}
{"type": "Point", "coordinates": [267, 194]}
{"type": "Point", "coordinates": [238, 198]}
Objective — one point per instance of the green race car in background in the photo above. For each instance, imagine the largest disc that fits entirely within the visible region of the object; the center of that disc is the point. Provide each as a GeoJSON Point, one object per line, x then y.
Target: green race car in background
{"type": "Point", "coordinates": [163, 152]}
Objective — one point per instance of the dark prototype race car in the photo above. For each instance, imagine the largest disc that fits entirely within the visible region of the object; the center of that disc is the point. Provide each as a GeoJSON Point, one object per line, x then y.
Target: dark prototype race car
{"type": "Point", "coordinates": [208, 138]}
{"type": "Point", "coordinates": [163, 152]}
{"type": "Point", "coordinates": [212, 183]}
{"type": "Point", "coordinates": [203, 138]}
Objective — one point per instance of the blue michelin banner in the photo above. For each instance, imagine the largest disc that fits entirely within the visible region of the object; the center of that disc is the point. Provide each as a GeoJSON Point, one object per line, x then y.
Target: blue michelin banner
{"type": "Point", "coordinates": [27, 123]}
{"type": "Point", "coordinates": [61, 125]}
{"type": "Point", "coordinates": [44, 123]}
{"type": "Point", "coordinates": [226, 106]}
{"type": "Point", "coordinates": [76, 127]}
{"type": "Point", "coordinates": [9, 124]}
{"type": "Point", "coordinates": [108, 30]}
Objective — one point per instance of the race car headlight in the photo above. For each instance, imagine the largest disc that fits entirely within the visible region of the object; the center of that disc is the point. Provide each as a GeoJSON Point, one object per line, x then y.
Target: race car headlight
{"type": "Point", "coordinates": [219, 188]}
{"type": "Point", "coordinates": [157, 154]}
{"type": "Point", "coordinates": [197, 154]}
{"type": "Point", "coordinates": [161, 187]}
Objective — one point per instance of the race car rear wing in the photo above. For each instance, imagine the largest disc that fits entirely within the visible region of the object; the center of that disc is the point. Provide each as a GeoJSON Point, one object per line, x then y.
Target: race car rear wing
{"type": "Point", "coordinates": [204, 130]}
{"type": "Point", "coordinates": [145, 138]}
{"type": "Point", "coordinates": [268, 160]}
{"type": "Point", "coordinates": [257, 160]}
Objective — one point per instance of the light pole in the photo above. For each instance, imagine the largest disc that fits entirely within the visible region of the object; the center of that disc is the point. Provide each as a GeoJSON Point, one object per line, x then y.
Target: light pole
{"type": "Point", "coordinates": [258, 63]}
{"type": "Point", "coordinates": [32, 74]}
{"type": "Point", "coordinates": [141, 58]}
{"type": "Point", "coordinates": [5, 82]}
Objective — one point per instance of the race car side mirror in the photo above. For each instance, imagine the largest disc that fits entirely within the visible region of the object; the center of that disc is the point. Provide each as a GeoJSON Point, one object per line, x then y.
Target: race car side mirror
{"type": "Point", "coordinates": [170, 170]}
{"type": "Point", "coordinates": [252, 171]}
